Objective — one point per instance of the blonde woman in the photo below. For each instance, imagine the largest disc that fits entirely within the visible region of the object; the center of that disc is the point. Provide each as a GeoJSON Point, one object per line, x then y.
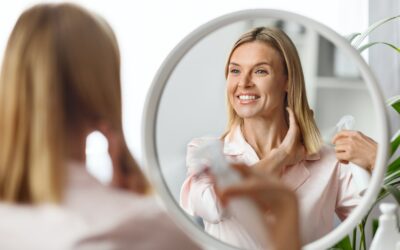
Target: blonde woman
{"type": "Point", "coordinates": [264, 79]}
{"type": "Point", "coordinates": [59, 81]}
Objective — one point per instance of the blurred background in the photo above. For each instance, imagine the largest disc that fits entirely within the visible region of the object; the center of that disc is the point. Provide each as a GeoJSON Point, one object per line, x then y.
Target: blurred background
{"type": "Point", "coordinates": [148, 30]}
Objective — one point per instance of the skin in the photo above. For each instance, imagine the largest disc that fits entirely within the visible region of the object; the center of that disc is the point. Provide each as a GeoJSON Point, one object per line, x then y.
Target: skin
{"type": "Point", "coordinates": [355, 147]}
{"type": "Point", "coordinates": [257, 69]}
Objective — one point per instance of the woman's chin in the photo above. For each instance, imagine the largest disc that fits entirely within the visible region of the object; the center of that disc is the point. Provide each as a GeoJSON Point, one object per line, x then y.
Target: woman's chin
{"type": "Point", "coordinates": [246, 114]}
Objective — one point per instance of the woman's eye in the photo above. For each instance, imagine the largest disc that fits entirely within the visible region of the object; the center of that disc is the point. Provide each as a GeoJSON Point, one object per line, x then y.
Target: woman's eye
{"type": "Point", "coordinates": [234, 71]}
{"type": "Point", "coordinates": [261, 71]}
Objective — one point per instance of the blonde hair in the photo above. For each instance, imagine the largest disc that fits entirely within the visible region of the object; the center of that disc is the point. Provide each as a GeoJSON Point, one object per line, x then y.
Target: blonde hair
{"type": "Point", "coordinates": [296, 97]}
{"type": "Point", "coordinates": [61, 70]}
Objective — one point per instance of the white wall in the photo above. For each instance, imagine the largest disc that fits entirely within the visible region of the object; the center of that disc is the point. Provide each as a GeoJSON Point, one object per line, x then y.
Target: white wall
{"type": "Point", "coordinates": [384, 61]}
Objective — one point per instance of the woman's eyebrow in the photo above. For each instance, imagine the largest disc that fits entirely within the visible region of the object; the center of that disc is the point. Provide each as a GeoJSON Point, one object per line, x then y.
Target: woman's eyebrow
{"type": "Point", "coordinates": [262, 63]}
{"type": "Point", "coordinates": [255, 65]}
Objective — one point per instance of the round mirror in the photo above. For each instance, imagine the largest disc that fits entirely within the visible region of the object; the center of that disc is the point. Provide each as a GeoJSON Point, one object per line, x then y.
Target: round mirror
{"type": "Point", "coordinates": [189, 102]}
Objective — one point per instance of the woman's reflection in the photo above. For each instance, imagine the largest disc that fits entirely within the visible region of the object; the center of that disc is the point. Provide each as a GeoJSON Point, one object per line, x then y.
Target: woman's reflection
{"type": "Point", "coordinates": [264, 77]}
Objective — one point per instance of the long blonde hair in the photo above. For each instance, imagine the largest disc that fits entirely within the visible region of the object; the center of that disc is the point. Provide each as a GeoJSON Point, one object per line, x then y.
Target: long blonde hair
{"type": "Point", "coordinates": [296, 95]}
{"type": "Point", "coordinates": [61, 69]}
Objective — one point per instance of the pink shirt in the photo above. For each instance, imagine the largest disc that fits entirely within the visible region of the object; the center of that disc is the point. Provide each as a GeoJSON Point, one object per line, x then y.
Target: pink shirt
{"type": "Point", "coordinates": [323, 186]}
{"type": "Point", "coordinates": [92, 216]}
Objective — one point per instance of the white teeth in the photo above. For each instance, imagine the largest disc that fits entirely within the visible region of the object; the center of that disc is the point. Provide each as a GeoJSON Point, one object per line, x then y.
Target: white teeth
{"type": "Point", "coordinates": [247, 97]}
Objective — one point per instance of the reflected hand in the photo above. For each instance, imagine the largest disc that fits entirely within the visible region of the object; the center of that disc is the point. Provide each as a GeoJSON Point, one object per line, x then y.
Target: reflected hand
{"type": "Point", "coordinates": [271, 196]}
{"type": "Point", "coordinates": [355, 147]}
{"type": "Point", "coordinates": [291, 145]}
{"type": "Point", "coordinates": [290, 151]}
{"type": "Point", "coordinates": [126, 172]}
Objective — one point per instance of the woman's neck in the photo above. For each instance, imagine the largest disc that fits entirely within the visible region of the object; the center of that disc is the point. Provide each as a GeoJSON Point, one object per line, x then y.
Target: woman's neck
{"type": "Point", "coordinates": [264, 133]}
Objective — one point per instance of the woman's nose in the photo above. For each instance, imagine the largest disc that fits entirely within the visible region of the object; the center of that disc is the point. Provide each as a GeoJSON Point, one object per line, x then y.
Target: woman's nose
{"type": "Point", "coordinates": [245, 81]}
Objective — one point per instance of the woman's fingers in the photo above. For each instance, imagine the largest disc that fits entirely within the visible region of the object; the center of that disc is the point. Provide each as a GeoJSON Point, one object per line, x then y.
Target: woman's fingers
{"type": "Point", "coordinates": [343, 156]}
{"type": "Point", "coordinates": [293, 127]}
{"type": "Point", "coordinates": [292, 137]}
{"type": "Point", "coordinates": [126, 172]}
{"type": "Point", "coordinates": [355, 147]}
{"type": "Point", "coordinates": [341, 148]}
{"type": "Point", "coordinates": [291, 144]}
{"type": "Point", "coordinates": [292, 119]}
{"type": "Point", "coordinates": [343, 134]}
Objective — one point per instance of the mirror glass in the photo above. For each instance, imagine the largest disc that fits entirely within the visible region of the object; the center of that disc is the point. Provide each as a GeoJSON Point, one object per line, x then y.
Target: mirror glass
{"type": "Point", "coordinates": [194, 105]}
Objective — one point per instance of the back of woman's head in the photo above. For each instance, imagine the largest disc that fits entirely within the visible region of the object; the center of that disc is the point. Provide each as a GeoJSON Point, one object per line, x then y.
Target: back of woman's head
{"type": "Point", "coordinates": [60, 73]}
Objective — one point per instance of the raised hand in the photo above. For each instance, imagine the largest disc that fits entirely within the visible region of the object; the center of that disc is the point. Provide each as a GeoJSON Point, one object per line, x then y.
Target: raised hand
{"type": "Point", "coordinates": [289, 152]}
{"type": "Point", "coordinates": [354, 146]}
{"type": "Point", "coordinates": [126, 172]}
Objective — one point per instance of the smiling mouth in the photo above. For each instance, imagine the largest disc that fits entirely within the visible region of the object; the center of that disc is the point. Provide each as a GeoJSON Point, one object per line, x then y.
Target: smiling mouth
{"type": "Point", "coordinates": [244, 99]}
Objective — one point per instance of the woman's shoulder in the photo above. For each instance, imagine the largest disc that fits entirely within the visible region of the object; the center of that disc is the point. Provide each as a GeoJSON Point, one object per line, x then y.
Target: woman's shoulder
{"type": "Point", "coordinates": [140, 224]}
{"type": "Point", "coordinates": [128, 221]}
{"type": "Point", "coordinates": [44, 226]}
{"type": "Point", "coordinates": [101, 204]}
{"type": "Point", "coordinates": [143, 225]}
{"type": "Point", "coordinates": [325, 158]}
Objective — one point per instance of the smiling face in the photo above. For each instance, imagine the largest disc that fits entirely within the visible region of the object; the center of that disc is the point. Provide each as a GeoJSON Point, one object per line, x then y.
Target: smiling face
{"type": "Point", "coordinates": [256, 81]}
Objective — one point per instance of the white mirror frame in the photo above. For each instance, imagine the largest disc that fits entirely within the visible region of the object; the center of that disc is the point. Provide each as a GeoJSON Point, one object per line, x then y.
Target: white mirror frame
{"type": "Point", "coordinates": [161, 78]}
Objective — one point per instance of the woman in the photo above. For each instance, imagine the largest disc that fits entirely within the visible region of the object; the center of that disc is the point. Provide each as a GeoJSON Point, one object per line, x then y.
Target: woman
{"type": "Point", "coordinates": [264, 77]}
{"type": "Point", "coordinates": [60, 81]}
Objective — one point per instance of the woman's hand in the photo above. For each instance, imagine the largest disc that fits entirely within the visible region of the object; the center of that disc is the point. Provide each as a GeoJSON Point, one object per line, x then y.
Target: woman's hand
{"type": "Point", "coordinates": [290, 151]}
{"type": "Point", "coordinates": [292, 146]}
{"type": "Point", "coordinates": [126, 172]}
{"type": "Point", "coordinates": [355, 147]}
{"type": "Point", "coordinates": [272, 197]}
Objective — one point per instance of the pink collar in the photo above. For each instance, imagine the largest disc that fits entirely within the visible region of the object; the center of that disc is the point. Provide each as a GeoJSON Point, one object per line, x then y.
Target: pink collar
{"type": "Point", "coordinates": [236, 145]}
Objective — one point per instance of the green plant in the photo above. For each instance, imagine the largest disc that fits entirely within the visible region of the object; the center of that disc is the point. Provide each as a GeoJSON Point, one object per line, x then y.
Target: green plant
{"type": "Point", "coordinates": [392, 177]}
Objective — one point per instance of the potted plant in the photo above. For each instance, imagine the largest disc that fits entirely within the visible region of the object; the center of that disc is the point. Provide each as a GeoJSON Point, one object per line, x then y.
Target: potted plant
{"type": "Point", "coordinates": [391, 184]}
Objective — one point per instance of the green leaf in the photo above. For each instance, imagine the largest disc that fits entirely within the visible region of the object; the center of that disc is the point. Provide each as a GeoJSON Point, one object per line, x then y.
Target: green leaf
{"type": "Point", "coordinates": [393, 191]}
{"type": "Point", "coordinates": [366, 46]}
{"type": "Point", "coordinates": [363, 35]}
{"type": "Point", "coordinates": [344, 244]}
{"type": "Point", "coordinates": [375, 225]}
{"type": "Point", "coordinates": [394, 143]}
{"type": "Point", "coordinates": [393, 171]}
{"type": "Point", "coordinates": [352, 36]}
{"type": "Point", "coordinates": [395, 103]}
